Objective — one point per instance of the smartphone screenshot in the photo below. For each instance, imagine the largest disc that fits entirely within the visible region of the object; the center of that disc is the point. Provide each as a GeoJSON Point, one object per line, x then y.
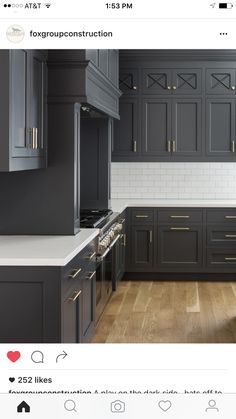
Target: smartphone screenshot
{"type": "Point", "coordinates": [117, 209]}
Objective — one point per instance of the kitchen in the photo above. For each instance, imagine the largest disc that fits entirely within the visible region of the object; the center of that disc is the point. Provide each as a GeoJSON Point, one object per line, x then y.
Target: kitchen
{"type": "Point", "coordinates": [118, 209]}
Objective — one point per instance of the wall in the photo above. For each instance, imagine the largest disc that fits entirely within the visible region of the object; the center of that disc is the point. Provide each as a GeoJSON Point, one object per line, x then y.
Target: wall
{"type": "Point", "coordinates": [174, 180]}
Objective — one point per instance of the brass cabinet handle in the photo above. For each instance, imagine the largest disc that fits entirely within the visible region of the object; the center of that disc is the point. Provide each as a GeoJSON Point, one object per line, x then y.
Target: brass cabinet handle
{"type": "Point", "coordinates": [230, 217]}
{"type": "Point", "coordinates": [233, 87]}
{"type": "Point", "coordinates": [90, 257]}
{"type": "Point", "coordinates": [124, 240]}
{"type": "Point", "coordinates": [230, 258]}
{"type": "Point", "coordinates": [89, 277]}
{"type": "Point", "coordinates": [141, 216]}
{"type": "Point", "coordinates": [135, 146]}
{"type": "Point", "coordinates": [179, 216]}
{"type": "Point", "coordinates": [74, 297]}
{"type": "Point", "coordinates": [230, 236]}
{"type": "Point", "coordinates": [150, 236]}
{"type": "Point", "coordinates": [233, 146]}
{"type": "Point", "coordinates": [74, 273]}
{"type": "Point", "coordinates": [173, 146]}
{"type": "Point", "coordinates": [134, 88]}
{"type": "Point", "coordinates": [180, 228]}
{"type": "Point", "coordinates": [174, 87]}
{"type": "Point", "coordinates": [169, 146]}
{"type": "Point", "coordinates": [168, 87]}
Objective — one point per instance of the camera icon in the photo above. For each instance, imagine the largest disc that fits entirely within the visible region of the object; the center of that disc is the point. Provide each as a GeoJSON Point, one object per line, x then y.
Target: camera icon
{"type": "Point", "coordinates": [118, 406]}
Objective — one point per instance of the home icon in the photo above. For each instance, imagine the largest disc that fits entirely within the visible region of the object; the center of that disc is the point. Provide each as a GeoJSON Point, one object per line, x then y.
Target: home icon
{"type": "Point", "coordinates": [23, 407]}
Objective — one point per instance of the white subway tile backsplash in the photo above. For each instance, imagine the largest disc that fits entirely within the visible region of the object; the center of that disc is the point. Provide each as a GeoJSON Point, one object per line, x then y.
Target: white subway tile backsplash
{"type": "Point", "coordinates": [174, 180]}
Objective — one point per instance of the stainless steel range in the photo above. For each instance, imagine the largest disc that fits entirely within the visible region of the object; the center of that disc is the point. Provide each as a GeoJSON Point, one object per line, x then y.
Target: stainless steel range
{"type": "Point", "coordinates": [110, 228]}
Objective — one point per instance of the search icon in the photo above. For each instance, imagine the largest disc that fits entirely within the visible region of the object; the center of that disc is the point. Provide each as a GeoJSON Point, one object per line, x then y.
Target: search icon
{"type": "Point", "coordinates": [70, 405]}
{"type": "Point", "coordinates": [37, 357]}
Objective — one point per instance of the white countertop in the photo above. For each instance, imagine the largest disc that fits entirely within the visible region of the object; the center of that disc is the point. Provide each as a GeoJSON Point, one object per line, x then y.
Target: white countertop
{"type": "Point", "coordinates": [119, 205]}
{"type": "Point", "coordinates": [43, 250]}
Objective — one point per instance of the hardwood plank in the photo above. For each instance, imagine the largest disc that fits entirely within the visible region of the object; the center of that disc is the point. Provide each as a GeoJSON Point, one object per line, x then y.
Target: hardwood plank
{"type": "Point", "coordinates": [170, 312]}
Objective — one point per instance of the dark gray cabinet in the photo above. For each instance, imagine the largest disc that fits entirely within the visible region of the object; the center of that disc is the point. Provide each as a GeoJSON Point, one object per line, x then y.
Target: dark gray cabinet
{"type": "Point", "coordinates": [142, 247]}
{"type": "Point", "coordinates": [156, 134]}
{"type": "Point", "coordinates": [220, 127]}
{"type": "Point", "coordinates": [23, 127]}
{"type": "Point", "coordinates": [49, 304]}
{"type": "Point", "coordinates": [129, 81]}
{"type": "Point", "coordinates": [172, 127]}
{"type": "Point", "coordinates": [181, 241]}
{"type": "Point", "coordinates": [169, 81]}
{"type": "Point", "coordinates": [179, 247]}
{"type": "Point", "coordinates": [185, 106]}
{"type": "Point", "coordinates": [221, 81]}
{"type": "Point", "coordinates": [126, 141]}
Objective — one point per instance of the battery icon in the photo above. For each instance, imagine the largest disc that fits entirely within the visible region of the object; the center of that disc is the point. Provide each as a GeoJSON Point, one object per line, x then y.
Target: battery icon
{"type": "Point", "coordinates": [225, 5]}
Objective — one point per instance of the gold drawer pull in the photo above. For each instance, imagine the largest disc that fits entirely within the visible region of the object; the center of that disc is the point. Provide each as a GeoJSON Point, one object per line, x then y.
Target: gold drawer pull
{"type": "Point", "coordinates": [150, 236]}
{"type": "Point", "coordinates": [124, 240]}
{"type": "Point", "coordinates": [74, 273]}
{"type": "Point", "coordinates": [135, 146]}
{"type": "Point", "coordinates": [180, 228]}
{"type": "Point", "coordinates": [141, 216]}
{"type": "Point", "coordinates": [230, 217]}
{"type": "Point", "coordinates": [91, 256]}
{"type": "Point", "coordinates": [228, 236]}
{"type": "Point", "coordinates": [230, 258]}
{"type": "Point", "coordinates": [75, 296]}
{"type": "Point", "coordinates": [89, 277]}
{"type": "Point", "coordinates": [169, 146]}
{"type": "Point", "coordinates": [179, 216]}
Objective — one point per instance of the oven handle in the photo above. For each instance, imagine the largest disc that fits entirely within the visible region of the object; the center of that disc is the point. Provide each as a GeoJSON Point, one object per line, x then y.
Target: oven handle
{"type": "Point", "coordinates": [101, 258]}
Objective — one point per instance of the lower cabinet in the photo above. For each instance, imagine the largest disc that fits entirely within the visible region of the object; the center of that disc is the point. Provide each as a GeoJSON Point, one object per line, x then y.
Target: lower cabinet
{"type": "Point", "coordinates": [49, 304]}
{"type": "Point", "coordinates": [179, 248]}
{"type": "Point", "coordinates": [142, 247]}
{"type": "Point", "coordinates": [120, 252]}
{"type": "Point", "coordinates": [181, 240]}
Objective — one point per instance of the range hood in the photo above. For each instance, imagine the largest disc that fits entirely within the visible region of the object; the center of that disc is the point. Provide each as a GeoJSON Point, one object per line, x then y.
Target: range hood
{"type": "Point", "coordinates": [71, 79]}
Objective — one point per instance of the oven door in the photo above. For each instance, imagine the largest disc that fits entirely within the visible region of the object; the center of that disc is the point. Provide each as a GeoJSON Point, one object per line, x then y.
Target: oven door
{"type": "Point", "coordinates": [105, 278]}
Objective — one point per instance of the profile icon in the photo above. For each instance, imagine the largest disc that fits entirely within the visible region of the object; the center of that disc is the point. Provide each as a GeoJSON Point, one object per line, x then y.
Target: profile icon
{"type": "Point", "coordinates": [212, 406]}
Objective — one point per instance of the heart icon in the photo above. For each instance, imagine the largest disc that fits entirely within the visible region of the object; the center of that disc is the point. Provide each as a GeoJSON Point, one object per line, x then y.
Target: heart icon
{"type": "Point", "coordinates": [11, 379]}
{"type": "Point", "coordinates": [165, 405]}
{"type": "Point", "coordinates": [13, 356]}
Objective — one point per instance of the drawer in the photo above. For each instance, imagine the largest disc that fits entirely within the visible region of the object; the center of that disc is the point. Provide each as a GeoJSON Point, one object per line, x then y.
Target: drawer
{"type": "Point", "coordinates": [225, 216]}
{"type": "Point", "coordinates": [179, 216]}
{"type": "Point", "coordinates": [221, 257]}
{"type": "Point", "coordinates": [219, 234]}
{"type": "Point", "coordinates": [81, 265]}
{"type": "Point", "coordinates": [142, 216]}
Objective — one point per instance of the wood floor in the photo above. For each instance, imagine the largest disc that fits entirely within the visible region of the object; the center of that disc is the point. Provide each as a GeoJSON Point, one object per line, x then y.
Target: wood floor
{"type": "Point", "coordinates": [170, 312]}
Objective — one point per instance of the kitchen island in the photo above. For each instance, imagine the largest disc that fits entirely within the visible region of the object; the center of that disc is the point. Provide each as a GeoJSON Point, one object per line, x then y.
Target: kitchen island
{"type": "Point", "coordinates": [47, 288]}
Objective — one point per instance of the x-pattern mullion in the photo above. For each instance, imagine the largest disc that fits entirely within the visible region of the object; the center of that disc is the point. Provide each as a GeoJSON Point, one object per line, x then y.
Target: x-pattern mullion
{"type": "Point", "coordinates": [187, 81]}
{"type": "Point", "coordinates": [220, 81]}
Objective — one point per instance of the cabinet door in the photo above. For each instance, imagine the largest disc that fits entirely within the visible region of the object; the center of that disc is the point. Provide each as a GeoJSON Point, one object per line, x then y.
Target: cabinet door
{"type": "Point", "coordinates": [220, 127]}
{"type": "Point", "coordinates": [186, 127]}
{"type": "Point", "coordinates": [220, 81]}
{"type": "Point", "coordinates": [37, 104]}
{"type": "Point", "coordinates": [156, 81]}
{"type": "Point", "coordinates": [126, 139]}
{"type": "Point", "coordinates": [186, 81]}
{"type": "Point", "coordinates": [72, 316]}
{"type": "Point", "coordinates": [129, 81]}
{"type": "Point", "coordinates": [142, 247]}
{"type": "Point", "coordinates": [179, 247]}
{"type": "Point", "coordinates": [19, 100]}
{"type": "Point", "coordinates": [89, 305]}
{"type": "Point", "coordinates": [156, 133]}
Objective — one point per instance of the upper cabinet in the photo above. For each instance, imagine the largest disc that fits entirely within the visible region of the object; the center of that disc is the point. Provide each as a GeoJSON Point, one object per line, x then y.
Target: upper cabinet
{"type": "Point", "coordinates": [221, 81]}
{"type": "Point", "coordinates": [23, 130]}
{"type": "Point", "coordinates": [176, 106]}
